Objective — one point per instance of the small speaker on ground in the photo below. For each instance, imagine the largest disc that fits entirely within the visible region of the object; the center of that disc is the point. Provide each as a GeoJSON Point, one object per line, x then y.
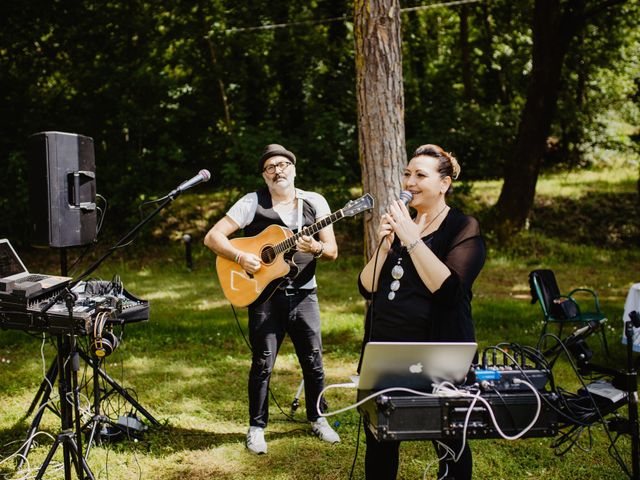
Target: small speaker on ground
{"type": "Point", "coordinates": [62, 189]}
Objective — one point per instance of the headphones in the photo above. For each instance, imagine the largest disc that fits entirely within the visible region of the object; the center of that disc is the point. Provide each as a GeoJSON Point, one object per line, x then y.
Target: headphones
{"type": "Point", "coordinates": [103, 343]}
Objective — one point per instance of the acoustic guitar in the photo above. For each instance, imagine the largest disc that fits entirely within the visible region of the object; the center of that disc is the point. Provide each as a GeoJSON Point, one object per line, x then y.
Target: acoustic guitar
{"type": "Point", "coordinates": [274, 246]}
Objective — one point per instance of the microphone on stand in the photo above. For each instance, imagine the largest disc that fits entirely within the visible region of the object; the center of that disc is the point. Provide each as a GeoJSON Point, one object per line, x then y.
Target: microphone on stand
{"type": "Point", "coordinates": [202, 176]}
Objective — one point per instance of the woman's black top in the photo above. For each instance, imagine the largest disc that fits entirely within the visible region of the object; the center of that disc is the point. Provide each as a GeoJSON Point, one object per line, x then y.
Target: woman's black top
{"type": "Point", "coordinates": [416, 314]}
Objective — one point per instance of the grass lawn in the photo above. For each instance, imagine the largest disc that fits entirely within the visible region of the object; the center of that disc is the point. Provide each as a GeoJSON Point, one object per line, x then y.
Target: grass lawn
{"type": "Point", "coordinates": [188, 364]}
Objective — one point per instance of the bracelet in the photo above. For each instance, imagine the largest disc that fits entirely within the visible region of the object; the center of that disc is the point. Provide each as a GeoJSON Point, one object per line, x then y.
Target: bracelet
{"type": "Point", "coordinates": [238, 258]}
{"type": "Point", "coordinates": [412, 246]}
{"type": "Point", "coordinates": [319, 253]}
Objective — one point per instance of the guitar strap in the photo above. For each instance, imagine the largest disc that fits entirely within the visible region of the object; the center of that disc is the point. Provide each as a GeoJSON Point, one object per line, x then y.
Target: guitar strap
{"type": "Point", "coordinates": [300, 197]}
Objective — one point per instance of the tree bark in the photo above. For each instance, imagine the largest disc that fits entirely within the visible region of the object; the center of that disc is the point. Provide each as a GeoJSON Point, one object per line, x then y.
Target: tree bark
{"type": "Point", "coordinates": [465, 54]}
{"type": "Point", "coordinates": [380, 106]}
{"type": "Point", "coordinates": [552, 32]}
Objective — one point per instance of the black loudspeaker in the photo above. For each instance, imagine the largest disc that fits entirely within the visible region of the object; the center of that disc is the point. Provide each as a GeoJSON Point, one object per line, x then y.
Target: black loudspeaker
{"type": "Point", "coordinates": [62, 189]}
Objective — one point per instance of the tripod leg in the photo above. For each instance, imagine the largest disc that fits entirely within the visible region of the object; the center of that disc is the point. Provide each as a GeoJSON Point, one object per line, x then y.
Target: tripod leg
{"type": "Point", "coordinates": [78, 460]}
{"type": "Point", "coordinates": [45, 391]}
{"type": "Point", "coordinates": [45, 464]}
{"type": "Point", "coordinates": [119, 389]}
{"type": "Point", "coordinates": [45, 386]}
{"type": "Point", "coordinates": [296, 400]}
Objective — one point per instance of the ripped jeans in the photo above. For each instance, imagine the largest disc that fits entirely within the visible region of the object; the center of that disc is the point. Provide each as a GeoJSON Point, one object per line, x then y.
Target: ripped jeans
{"type": "Point", "coordinates": [299, 316]}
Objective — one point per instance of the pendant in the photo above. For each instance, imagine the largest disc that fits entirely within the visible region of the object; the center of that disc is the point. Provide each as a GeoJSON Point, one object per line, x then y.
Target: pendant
{"type": "Point", "coordinates": [391, 295]}
{"type": "Point", "coordinates": [395, 285]}
{"type": "Point", "coordinates": [397, 271]}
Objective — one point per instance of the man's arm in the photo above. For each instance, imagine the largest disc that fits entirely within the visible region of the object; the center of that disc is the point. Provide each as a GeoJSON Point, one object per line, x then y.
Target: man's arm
{"type": "Point", "coordinates": [217, 240]}
{"type": "Point", "coordinates": [329, 245]}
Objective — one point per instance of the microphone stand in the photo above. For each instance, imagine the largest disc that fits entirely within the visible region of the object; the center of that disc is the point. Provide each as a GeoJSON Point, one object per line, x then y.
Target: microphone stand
{"type": "Point", "coordinates": [632, 398]}
{"type": "Point", "coordinates": [168, 199]}
{"type": "Point", "coordinates": [95, 362]}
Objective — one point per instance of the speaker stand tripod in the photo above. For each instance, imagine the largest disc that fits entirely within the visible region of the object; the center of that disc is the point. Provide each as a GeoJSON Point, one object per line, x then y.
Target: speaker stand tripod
{"type": "Point", "coordinates": [70, 436]}
{"type": "Point", "coordinates": [97, 420]}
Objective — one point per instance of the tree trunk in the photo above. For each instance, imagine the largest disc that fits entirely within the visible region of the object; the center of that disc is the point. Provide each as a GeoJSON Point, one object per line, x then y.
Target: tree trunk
{"type": "Point", "coordinates": [494, 84]}
{"type": "Point", "coordinates": [552, 32]}
{"type": "Point", "coordinates": [465, 54]}
{"type": "Point", "coordinates": [380, 106]}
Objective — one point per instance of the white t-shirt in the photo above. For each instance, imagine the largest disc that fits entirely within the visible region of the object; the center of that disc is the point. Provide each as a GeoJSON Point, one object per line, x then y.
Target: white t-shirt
{"type": "Point", "coordinates": [243, 211]}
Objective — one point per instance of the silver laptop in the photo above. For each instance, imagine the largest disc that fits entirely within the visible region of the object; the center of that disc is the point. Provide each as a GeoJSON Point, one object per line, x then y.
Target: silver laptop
{"type": "Point", "coordinates": [414, 365]}
{"type": "Point", "coordinates": [15, 278]}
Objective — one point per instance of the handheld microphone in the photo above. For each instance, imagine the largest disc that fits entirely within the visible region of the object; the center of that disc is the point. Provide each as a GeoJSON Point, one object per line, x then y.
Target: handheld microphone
{"type": "Point", "coordinates": [406, 197]}
{"type": "Point", "coordinates": [203, 176]}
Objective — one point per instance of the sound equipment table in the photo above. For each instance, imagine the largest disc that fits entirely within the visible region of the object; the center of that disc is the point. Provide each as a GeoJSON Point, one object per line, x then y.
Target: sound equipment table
{"type": "Point", "coordinates": [25, 312]}
{"type": "Point", "coordinates": [402, 416]}
{"type": "Point", "coordinates": [66, 314]}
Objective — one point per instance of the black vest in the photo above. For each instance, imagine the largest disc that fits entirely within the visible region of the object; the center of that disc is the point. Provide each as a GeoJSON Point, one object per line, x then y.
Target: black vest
{"type": "Point", "coordinates": [266, 215]}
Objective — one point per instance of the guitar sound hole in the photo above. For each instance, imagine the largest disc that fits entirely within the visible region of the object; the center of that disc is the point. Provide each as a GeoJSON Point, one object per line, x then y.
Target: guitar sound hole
{"type": "Point", "coordinates": [268, 255]}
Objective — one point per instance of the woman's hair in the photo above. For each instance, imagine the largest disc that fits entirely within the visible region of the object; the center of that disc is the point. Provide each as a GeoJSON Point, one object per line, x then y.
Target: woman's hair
{"type": "Point", "coordinates": [448, 166]}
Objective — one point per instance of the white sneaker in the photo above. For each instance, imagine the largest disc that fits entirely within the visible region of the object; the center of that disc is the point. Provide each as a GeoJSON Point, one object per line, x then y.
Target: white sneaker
{"type": "Point", "coordinates": [323, 431]}
{"type": "Point", "coordinates": [255, 440]}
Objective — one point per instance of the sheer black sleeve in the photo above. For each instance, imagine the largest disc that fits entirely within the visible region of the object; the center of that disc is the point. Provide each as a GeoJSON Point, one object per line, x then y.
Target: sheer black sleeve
{"type": "Point", "coordinates": [464, 256]}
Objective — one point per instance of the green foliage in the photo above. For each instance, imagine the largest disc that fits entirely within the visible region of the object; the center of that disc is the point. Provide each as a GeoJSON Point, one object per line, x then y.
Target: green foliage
{"type": "Point", "coordinates": [168, 88]}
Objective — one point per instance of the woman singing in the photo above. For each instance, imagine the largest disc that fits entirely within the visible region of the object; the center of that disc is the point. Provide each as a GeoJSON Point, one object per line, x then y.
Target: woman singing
{"type": "Point", "coordinates": [419, 280]}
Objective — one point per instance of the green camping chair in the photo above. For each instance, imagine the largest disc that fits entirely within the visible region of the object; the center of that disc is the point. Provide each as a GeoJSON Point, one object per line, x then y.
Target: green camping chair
{"type": "Point", "coordinates": [561, 309]}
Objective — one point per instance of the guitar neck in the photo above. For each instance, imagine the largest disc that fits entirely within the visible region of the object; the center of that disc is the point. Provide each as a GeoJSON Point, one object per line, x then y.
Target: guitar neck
{"type": "Point", "coordinates": [290, 242]}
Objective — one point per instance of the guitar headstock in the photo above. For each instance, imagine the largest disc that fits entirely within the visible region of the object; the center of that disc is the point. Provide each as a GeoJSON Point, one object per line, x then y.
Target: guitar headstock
{"type": "Point", "coordinates": [362, 204]}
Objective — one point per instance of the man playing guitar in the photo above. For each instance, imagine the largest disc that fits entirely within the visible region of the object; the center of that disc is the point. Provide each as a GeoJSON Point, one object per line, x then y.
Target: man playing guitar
{"type": "Point", "coordinates": [292, 307]}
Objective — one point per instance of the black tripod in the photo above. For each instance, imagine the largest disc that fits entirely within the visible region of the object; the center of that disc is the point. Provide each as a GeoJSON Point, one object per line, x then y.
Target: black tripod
{"type": "Point", "coordinates": [72, 447]}
{"type": "Point", "coordinates": [98, 420]}
{"type": "Point", "coordinates": [70, 436]}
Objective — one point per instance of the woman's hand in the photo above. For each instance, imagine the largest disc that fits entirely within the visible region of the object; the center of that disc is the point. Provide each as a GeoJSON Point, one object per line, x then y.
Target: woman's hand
{"type": "Point", "coordinates": [385, 233]}
{"type": "Point", "coordinates": [403, 225]}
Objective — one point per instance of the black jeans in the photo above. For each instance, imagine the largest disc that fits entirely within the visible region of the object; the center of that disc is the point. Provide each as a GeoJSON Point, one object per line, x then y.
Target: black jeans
{"type": "Point", "coordinates": [295, 314]}
{"type": "Point", "coordinates": [382, 458]}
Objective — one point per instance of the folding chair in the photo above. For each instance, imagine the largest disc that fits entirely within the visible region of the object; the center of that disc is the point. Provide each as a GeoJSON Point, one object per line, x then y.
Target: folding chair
{"type": "Point", "coordinates": [561, 309]}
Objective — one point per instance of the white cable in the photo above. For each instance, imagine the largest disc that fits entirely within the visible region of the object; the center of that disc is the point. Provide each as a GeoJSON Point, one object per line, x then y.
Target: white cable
{"type": "Point", "coordinates": [369, 397]}
{"type": "Point", "coordinates": [44, 363]}
{"type": "Point", "coordinates": [443, 389]}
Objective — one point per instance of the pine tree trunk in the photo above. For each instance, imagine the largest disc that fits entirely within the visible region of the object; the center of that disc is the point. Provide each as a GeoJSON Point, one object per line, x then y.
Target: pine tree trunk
{"type": "Point", "coordinates": [380, 104]}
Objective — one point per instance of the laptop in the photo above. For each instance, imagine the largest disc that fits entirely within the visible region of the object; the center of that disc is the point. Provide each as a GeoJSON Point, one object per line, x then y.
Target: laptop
{"type": "Point", "coordinates": [414, 365]}
{"type": "Point", "coordinates": [16, 279]}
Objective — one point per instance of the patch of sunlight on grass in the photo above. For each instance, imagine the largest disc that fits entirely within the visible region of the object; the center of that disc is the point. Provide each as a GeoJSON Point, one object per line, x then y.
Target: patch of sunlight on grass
{"type": "Point", "coordinates": [163, 295]}
{"type": "Point", "coordinates": [574, 184]}
{"type": "Point", "coordinates": [209, 304]}
{"type": "Point", "coordinates": [520, 287]}
{"type": "Point", "coordinates": [567, 184]}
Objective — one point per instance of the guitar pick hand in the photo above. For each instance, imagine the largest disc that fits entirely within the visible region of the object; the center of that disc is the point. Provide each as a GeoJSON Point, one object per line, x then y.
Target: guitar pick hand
{"type": "Point", "coordinates": [249, 262]}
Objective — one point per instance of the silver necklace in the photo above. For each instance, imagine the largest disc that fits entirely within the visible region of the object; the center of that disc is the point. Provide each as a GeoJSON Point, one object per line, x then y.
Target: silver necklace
{"type": "Point", "coordinates": [397, 271]}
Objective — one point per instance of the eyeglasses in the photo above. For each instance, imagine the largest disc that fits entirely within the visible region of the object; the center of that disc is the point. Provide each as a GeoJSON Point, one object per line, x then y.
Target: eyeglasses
{"type": "Point", "coordinates": [282, 166]}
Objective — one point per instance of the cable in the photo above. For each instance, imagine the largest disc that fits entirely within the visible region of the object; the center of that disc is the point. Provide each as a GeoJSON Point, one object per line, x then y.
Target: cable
{"type": "Point", "coordinates": [617, 457]}
{"type": "Point", "coordinates": [443, 389]}
{"type": "Point", "coordinates": [246, 341]}
{"type": "Point", "coordinates": [343, 17]}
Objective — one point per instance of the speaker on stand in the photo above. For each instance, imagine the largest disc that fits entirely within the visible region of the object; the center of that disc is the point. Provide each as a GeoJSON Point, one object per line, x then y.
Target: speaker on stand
{"type": "Point", "coordinates": [62, 212]}
{"type": "Point", "coordinates": [62, 189]}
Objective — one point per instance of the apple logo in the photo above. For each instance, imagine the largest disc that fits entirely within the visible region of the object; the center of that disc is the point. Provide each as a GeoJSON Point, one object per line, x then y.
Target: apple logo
{"type": "Point", "coordinates": [416, 368]}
